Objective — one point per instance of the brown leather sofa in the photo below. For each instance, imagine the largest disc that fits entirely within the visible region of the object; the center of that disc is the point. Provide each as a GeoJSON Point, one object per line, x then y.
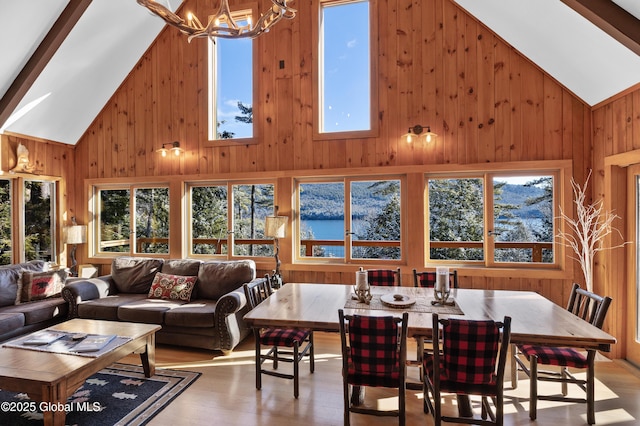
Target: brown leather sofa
{"type": "Point", "coordinates": [19, 314]}
{"type": "Point", "coordinates": [211, 318]}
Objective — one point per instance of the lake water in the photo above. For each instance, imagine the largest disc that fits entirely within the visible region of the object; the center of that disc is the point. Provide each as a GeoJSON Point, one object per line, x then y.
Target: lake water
{"type": "Point", "coordinates": [325, 229]}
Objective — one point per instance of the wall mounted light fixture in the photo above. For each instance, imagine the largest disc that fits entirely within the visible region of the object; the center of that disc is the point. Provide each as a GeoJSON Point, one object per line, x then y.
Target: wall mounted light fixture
{"type": "Point", "coordinates": [416, 131]}
{"type": "Point", "coordinates": [175, 148]}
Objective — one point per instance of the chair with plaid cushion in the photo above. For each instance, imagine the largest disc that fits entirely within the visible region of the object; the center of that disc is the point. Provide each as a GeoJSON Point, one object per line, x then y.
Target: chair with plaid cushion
{"type": "Point", "coordinates": [384, 277]}
{"type": "Point", "coordinates": [588, 306]}
{"type": "Point", "coordinates": [428, 278]}
{"type": "Point", "coordinates": [471, 361]}
{"type": "Point", "coordinates": [288, 345]}
{"type": "Point", "coordinates": [374, 355]}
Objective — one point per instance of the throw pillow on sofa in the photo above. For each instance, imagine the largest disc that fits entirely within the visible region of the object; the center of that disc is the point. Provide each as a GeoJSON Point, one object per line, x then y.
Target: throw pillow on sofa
{"type": "Point", "coordinates": [41, 285]}
{"type": "Point", "coordinates": [172, 287]}
{"type": "Point", "coordinates": [10, 278]}
{"type": "Point", "coordinates": [134, 274]}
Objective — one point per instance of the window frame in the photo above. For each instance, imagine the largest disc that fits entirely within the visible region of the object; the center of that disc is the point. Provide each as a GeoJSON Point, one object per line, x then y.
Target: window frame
{"type": "Point", "coordinates": [488, 243]}
{"type": "Point", "coordinates": [94, 228]}
{"type": "Point", "coordinates": [317, 134]}
{"type": "Point", "coordinates": [346, 180]}
{"type": "Point", "coordinates": [228, 184]}
{"type": "Point", "coordinates": [240, 10]}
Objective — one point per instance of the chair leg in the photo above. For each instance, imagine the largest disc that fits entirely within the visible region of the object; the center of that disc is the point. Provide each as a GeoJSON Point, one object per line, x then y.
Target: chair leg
{"type": "Point", "coordinates": [533, 380]}
{"type": "Point", "coordinates": [591, 409]}
{"type": "Point", "coordinates": [565, 377]}
{"type": "Point", "coordinates": [401, 404]}
{"type": "Point", "coordinates": [312, 366]}
{"type": "Point", "coordinates": [514, 367]}
{"type": "Point", "coordinates": [296, 369]}
{"type": "Point", "coordinates": [347, 403]}
{"type": "Point", "coordinates": [258, 362]}
{"type": "Point", "coordinates": [275, 357]}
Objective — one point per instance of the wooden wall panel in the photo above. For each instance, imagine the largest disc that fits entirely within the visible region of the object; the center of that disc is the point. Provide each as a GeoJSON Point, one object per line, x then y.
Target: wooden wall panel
{"type": "Point", "coordinates": [436, 65]}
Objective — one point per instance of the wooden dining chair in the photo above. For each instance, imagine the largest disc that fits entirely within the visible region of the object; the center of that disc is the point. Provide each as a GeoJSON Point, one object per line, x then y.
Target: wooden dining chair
{"type": "Point", "coordinates": [384, 277]}
{"type": "Point", "coordinates": [290, 345]}
{"type": "Point", "coordinates": [428, 278]}
{"type": "Point", "coordinates": [591, 308]}
{"type": "Point", "coordinates": [374, 351]}
{"type": "Point", "coordinates": [471, 361]}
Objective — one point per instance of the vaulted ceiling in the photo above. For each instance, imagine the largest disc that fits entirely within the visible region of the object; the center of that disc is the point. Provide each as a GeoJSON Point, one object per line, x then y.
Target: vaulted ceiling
{"type": "Point", "coordinates": [63, 59]}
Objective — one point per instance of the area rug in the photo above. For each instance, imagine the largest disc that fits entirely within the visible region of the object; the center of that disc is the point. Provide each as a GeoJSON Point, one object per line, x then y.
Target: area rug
{"type": "Point", "coordinates": [117, 395]}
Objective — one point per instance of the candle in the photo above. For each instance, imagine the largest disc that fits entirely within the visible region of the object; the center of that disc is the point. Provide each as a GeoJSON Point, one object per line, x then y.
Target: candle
{"type": "Point", "coordinates": [442, 279]}
{"type": "Point", "coordinates": [361, 280]}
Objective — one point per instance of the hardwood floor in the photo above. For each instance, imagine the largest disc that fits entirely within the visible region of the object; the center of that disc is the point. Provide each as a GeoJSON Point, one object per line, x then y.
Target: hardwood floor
{"type": "Point", "coordinates": [226, 393]}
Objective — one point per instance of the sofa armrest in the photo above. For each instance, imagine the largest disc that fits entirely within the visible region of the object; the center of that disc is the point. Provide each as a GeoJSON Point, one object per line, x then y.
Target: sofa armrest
{"type": "Point", "coordinates": [229, 318]}
{"type": "Point", "coordinates": [79, 290]}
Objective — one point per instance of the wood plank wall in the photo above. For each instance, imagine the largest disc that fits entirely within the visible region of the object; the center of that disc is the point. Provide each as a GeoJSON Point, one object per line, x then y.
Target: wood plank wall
{"type": "Point", "coordinates": [616, 141]}
{"type": "Point", "coordinates": [52, 159]}
{"type": "Point", "coordinates": [436, 65]}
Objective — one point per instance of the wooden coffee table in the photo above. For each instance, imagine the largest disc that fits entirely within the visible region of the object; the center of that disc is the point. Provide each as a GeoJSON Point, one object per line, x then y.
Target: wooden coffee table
{"type": "Point", "coordinates": [52, 377]}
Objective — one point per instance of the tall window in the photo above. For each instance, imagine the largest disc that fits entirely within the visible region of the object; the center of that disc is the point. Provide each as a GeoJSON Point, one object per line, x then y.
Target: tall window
{"type": "Point", "coordinates": [39, 219]}
{"type": "Point", "coordinates": [230, 225]}
{"type": "Point", "coordinates": [344, 69]}
{"type": "Point", "coordinates": [370, 229]}
{"type": "Point", "coordinates": [231, 86]}
{"type": "Point", "coordinates": [518, 228]}
{"type": "Point", "coordinates": [6, 222]}
{"type": "Point", "coordinates": [142, 209]}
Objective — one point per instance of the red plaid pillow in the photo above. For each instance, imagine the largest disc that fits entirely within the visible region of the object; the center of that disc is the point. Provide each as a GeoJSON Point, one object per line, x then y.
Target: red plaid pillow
{"type": "Point", "coordinates": [173, 287]}
{"type": "Point", "coordinates": [470, 350]}
{"type": "Point", "coordinates": [383, 277]}
{"type": "Point", "coordinates": [374, 344]}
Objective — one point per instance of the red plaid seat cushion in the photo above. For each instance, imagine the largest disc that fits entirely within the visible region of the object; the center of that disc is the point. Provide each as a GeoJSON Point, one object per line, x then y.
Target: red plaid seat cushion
{"type": "Point", "coordinates": [382, 277]}
{"type": "Point", "coordinates": [282, 336]}
{"type": "Point", "coordinates": [447, 385]}
{"type": "Point", "coordinates": [373, 356]}
{"type": "Point", "coordinates": [549, 355]}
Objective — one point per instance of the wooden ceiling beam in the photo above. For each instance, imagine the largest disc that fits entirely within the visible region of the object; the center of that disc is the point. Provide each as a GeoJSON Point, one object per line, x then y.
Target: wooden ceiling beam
{"type": "Point", "coordinates": [42, 55]}
{"type": "Point", "coordinates": [612, 19]}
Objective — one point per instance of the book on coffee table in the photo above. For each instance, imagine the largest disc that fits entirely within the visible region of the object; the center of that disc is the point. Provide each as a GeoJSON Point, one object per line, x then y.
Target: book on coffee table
{"type": "Point", "coordinates": [93, 343]}
{"type": "Point", "coordinates": [42, 338]}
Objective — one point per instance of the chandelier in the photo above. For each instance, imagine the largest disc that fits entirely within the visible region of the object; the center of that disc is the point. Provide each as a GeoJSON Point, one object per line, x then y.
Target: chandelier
{"type": "Point", "coordinates": [222, 23]}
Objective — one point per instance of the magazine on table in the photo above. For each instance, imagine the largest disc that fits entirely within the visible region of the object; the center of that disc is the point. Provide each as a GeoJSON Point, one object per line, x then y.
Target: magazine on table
{"type": "Point", "coordinates": [93, 343]}
{"type": "Point", "coordinates": [42, 338]}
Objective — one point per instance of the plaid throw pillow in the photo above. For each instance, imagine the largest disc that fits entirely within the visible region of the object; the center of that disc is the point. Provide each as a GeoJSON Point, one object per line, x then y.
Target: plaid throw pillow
{"type": "Point", "coordinates": [383, 277]}
{"type": "Point", "coordinates": [374, 345]}
{"type": "Point", "coordinates": [427, 279]}
{"type": "Point", "coordinates": [470, 350]}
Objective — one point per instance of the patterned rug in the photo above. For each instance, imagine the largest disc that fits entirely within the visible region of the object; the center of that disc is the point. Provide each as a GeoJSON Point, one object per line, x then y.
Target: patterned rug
{"type": "Point", "coordinates": [116, 395]}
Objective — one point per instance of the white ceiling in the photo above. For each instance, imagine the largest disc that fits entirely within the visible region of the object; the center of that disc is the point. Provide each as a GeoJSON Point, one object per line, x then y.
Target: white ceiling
{"type": "Point", "coordinates": [112, 35]}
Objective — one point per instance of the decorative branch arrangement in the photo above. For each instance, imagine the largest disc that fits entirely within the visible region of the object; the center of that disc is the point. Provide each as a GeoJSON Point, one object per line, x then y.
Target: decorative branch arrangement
{"type": "Point", "coordinates": [587, 232]}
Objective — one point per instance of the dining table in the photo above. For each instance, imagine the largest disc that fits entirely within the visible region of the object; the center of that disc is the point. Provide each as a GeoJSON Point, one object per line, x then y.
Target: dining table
{"type": "Point", "coordinates": [534, 318]}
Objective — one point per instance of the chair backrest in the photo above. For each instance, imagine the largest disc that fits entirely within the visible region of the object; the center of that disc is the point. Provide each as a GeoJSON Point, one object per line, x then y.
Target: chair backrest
{"type": "Point", "coordinates": [384, 277]}
{"type": "Point", "coordinates": [428, 278]}
{"type": "Point", "coordinates": [257, 291]}
{"type": "Point", "coordinates": [376, 344]}
{"type": "Point", "coordinates": [470, 352]}
{"type": "Point", "coordinates": [588, 306]}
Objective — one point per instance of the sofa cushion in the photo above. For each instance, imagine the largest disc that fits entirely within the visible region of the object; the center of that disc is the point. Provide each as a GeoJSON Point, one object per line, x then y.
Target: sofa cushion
{"type": "Point", "coordinates": [150, 311]}
{"type": "Point", "coordinates": [10, 278]}
{"type": "Point", "coordinates": [186, 267]}
{"type": "Point", "coordinates": [41, 285]}
{"type": "Point", "coordinates": [215, 279]}
{"type": "Point", "coordinates": [197, 313]}
{"type": "Point", "coordinates": [106, 308]}
{"type": "Point", "coordinates": [173, 287]}
{"type": "Point", "coordinates": [9, 322]}
{"type": "Point", "coordinates": [40, 310]}
{"type": "Point", "coordinates": [134, 274]}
